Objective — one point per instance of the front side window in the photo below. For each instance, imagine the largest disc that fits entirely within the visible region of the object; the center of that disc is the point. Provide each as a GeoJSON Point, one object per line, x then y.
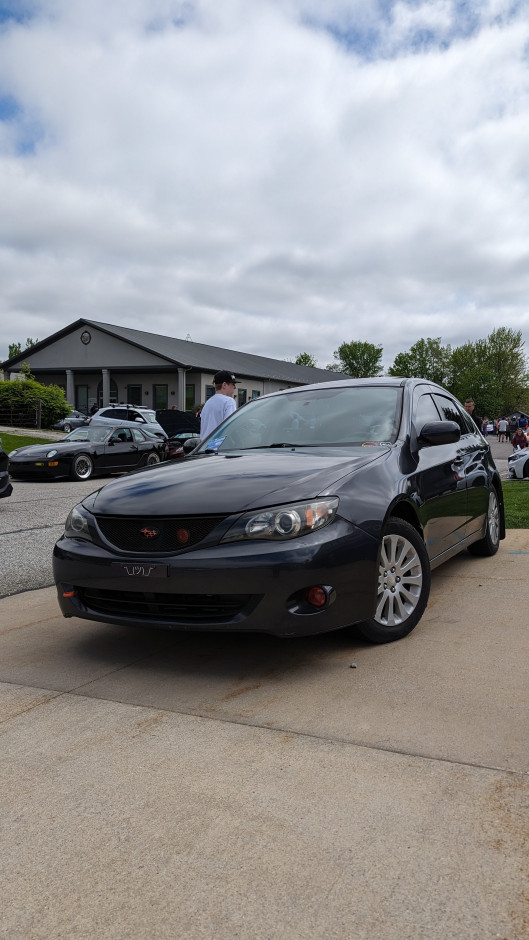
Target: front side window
{"type": "Point", "coordinates": [122, 435]}
{"type": "Point", "coordinates": [450, 412]}
{"type": "Point", "coordinates": [425, 411]}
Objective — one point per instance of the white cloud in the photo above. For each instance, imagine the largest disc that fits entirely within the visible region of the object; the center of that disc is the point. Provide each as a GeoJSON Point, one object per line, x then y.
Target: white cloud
{"type": "Point", "coordinates": [238, 173]}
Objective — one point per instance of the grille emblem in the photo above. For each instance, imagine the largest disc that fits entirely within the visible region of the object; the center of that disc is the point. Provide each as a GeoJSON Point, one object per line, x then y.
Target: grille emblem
{"type": "Point", "coordinates": [149, 533]}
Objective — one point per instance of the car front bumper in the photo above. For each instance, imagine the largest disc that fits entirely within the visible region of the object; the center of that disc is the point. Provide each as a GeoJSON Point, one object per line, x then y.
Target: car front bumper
{"type": "Point", "coordinates": [39, 469]}
{"type": "Point", "coordinates": [242, 586]}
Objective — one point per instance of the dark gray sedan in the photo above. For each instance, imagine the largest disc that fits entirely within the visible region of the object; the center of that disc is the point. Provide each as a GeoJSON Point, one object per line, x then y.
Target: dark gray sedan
{"type": "Point", "coordinates": [76, 419]}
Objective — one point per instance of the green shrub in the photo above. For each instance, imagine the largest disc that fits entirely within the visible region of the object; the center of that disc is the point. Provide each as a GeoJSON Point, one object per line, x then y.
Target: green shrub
{"type": "Point", "coordinates": [19, 402]}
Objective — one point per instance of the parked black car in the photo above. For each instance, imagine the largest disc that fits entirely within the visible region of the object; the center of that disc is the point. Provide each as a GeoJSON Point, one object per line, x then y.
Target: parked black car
{"type": "Point", "coordinates": [86, 452]}
{"type": "Point", "coordinates": [6, 487]}
{"type": "Point", "coordinates": [76, 419]}
{"type": "Point", "coordinates": [307, 510]}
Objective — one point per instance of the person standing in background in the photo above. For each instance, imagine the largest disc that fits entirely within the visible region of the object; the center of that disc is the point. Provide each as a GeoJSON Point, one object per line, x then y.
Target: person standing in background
{"type": "Point", "coordinates": [470, 408]}
{"type": "Point", "coordinates": [221, 405]}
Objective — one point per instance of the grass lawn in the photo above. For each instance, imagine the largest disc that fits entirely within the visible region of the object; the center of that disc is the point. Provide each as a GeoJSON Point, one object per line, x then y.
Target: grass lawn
{"type": "Point", "coordinates": [516, 499]}
{"type": "Point", "coordinates": [10, 441]}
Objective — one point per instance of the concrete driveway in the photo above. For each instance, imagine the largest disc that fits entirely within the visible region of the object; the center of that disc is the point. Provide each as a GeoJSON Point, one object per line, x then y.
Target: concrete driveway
{"type": "Point", "coordinates": [162, 785]}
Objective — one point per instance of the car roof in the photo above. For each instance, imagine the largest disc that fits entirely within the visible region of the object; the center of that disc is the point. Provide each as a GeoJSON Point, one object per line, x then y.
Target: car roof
{"type": "Point", "coordinates": [384, 381]}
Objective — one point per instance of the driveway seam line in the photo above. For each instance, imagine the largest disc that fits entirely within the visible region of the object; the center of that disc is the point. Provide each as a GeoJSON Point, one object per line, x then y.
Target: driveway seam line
{"type": "Point", "coordinates": [306, 734]}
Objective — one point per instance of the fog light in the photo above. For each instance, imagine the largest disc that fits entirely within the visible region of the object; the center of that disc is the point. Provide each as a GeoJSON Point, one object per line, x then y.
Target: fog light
{"type": "Point", "coordinates": [317, 596]}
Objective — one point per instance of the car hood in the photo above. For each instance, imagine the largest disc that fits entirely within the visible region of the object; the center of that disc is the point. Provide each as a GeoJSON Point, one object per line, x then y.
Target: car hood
{"type": "Point", "coordinates": [36, 451]}
{"type": "Point", "coordinates": [229, 483]}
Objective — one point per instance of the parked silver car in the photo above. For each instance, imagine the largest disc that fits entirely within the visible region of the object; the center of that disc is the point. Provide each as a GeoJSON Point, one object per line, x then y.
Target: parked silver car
{"type": "Point", "coordinates": [128, 416]}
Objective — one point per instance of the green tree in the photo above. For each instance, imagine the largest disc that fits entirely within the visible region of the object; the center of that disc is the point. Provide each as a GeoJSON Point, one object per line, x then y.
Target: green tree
{"type": "Point", "coordinates": [426, 359]}
{"type": "Point", "coordinates": [19, 400]}
{"type": "Point", "coordinates": [358, 359]}
{"type": "Point", "coordinates": [494, 372]}
{"type": "Point", "coordinates": [16, 348]}
{"type": "Point", "coordinates": [305, 359]}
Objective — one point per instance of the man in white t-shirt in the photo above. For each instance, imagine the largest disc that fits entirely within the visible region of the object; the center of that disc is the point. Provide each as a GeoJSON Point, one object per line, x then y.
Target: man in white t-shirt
{"type": "Point", "coordinates": [221, 405]}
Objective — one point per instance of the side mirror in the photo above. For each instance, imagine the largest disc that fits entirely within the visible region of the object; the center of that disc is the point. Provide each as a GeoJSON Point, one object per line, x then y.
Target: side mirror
{"type": "Point", "coordinates": [189, 444]}
{"type": "Point", "coordinates": [439, 432]}
{"type": "Point", "coordinates": [140, 420]}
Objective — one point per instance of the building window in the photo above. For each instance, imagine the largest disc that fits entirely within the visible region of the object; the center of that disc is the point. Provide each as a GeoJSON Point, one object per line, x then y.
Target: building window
{"type": "Point", "coordinates": [190, 397]}
{"type": "Point", "coordinates": [210, 391]}
{"type": "Point", "coordinates": [255, 394]}
{"type": "Point", "coordinates": [241, 396]}
{"type": "Point", "coordinates": [160, 398]}
{"type": "Point", "coordinates": [134, 394]}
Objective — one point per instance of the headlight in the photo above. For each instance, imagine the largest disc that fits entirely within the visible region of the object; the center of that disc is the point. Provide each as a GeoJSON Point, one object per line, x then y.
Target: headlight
{"type": "Point", "coordinates": [76, 525]}
{"type": "Point", "coordinates": [51, 453]}
{"type": "Point", "coordinates": [284, 522]}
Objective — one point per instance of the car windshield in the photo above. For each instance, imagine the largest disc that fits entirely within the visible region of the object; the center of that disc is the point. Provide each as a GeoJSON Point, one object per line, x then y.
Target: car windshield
{"type": "Point", "coordinates": [149, 416]}
{"type": "Point", "coordinates": [89, 434]}
{"type": "Point", "coordinates": [321, 417]}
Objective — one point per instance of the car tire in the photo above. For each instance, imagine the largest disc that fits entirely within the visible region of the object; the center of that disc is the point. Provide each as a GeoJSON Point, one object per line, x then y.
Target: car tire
{"type": "Point", "coordinates": [152, 459]}
{"type": "Point", "coordinates": [403, 584]}
{"type": "Point", "coordinates": [82, 467]}
{"type": "Point", "coordinates": [526, 469]}
{"type": "Point", "coordinates": [490, 544]}
{"type": "Point", "coordinates": [67, 428]}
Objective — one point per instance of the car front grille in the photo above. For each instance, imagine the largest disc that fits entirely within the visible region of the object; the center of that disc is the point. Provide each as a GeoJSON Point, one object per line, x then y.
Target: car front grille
{"type": "Point", "coordinates": [167, 608]}
{"type": "Point", "coordinates": [158, 534]}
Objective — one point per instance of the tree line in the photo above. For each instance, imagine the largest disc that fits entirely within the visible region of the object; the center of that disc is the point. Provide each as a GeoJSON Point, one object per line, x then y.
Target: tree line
{"type": "Point", "coordinates": [493, 371]}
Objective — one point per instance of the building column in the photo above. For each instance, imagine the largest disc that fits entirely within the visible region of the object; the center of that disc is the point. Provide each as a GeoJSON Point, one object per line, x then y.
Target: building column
{"type": "Point", "coordinates": [106, 387]}
{"type": "Point", "coordinates": [181, 391]}
{"type": "Point", "coordinates": [70, 387]}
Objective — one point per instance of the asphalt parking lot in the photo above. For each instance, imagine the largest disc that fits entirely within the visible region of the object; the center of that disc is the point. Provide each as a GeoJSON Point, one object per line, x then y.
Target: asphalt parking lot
{"type": "Point", "coordinates": [216, 786]}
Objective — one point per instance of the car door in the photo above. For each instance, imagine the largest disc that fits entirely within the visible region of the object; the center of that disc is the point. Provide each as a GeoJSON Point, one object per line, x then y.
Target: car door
{"type": "Point", "coordinates": [439, 481]}
{"type": "Point", "coordinates": [121, 451]}
{"type": "Point", "coordinates": [144, 446]}
{"type": "Point", "coordinates": [474, 462]}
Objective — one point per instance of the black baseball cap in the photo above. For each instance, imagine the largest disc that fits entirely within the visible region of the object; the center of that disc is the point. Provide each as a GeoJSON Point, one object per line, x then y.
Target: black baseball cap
{"type": "Point", "coordinates": [224, 376]}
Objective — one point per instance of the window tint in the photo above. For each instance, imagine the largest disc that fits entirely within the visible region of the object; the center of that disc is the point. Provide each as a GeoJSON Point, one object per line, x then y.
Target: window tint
{"type": "Point", "coordinates": [450, 412]}
{"type": "Point", "coordinates": [119, 414]}
{"type": "Point", "coordinates": [425, 412]}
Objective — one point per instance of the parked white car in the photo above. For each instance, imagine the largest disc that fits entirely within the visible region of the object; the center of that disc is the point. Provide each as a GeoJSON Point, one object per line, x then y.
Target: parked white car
{"type": "Point", "coordinates": [519, 464]}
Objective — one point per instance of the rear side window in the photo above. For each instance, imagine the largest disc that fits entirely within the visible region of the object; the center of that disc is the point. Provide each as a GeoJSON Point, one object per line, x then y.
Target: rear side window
{"type": "Point", "coordinates": [119, 413]}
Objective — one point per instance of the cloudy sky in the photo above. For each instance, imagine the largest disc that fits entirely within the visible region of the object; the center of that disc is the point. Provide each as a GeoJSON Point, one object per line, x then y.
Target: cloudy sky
{"type": "Point", "coordinates": [266, 175]}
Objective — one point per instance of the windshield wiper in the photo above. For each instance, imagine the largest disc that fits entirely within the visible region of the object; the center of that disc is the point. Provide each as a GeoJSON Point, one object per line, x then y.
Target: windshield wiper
{"type": "Point", "coordinates": [279, 444]}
